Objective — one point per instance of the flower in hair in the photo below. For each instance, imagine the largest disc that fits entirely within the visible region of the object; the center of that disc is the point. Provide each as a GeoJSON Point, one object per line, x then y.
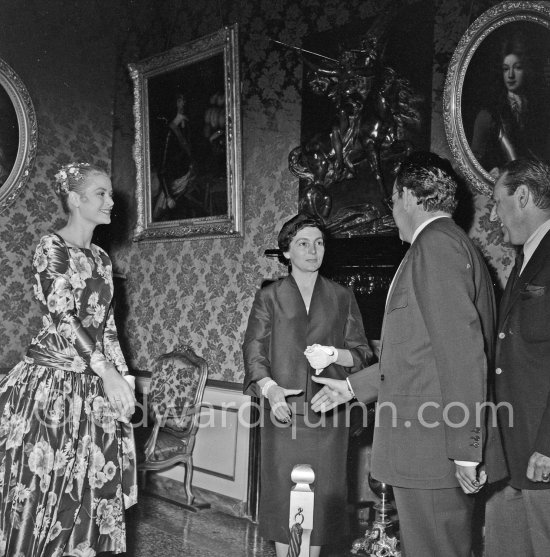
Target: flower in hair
{"type": "Point", "coordinates": [69, 170]}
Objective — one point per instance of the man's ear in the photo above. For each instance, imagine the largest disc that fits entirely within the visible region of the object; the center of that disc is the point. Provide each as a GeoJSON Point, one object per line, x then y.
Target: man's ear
{"type": "Point", "coordinates": [522, 195]}
{"type": "Point", "coordinates": [409, 199]}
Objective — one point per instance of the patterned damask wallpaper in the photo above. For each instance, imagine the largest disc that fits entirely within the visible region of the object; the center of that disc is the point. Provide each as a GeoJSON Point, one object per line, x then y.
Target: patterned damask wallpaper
{"type": "Point", "coordinates": [200, 291]}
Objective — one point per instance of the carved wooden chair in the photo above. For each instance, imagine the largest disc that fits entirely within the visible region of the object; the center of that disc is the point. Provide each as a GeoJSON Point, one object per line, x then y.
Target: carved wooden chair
{"type": "Point", "coordinates": [174, 401]}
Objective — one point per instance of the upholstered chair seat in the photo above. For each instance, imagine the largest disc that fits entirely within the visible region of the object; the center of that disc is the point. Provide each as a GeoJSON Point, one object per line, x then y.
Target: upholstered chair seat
{"type": "Point", "coordinates": [167, 446]}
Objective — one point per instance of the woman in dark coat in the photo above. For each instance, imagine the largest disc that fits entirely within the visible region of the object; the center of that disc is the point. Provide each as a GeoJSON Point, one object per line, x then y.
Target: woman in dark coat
{"type": "Point", "coordinates": [298, 326]}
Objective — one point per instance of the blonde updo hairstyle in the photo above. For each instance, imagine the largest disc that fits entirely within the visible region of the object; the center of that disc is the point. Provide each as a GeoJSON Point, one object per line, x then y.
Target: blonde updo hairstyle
{"type": "Point", "coordinates": [72, 177]}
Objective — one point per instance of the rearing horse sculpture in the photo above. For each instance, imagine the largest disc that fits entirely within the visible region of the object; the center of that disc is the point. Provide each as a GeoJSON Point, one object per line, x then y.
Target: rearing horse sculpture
{"type": "Point", "coordinates": [373, 107]}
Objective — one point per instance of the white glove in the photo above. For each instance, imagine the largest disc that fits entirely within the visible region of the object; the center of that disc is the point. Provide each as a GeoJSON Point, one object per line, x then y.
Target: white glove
{"type": "Point", "coordinates": [319, 357]}
{"type": "Point", "coordinates": [131, 380]}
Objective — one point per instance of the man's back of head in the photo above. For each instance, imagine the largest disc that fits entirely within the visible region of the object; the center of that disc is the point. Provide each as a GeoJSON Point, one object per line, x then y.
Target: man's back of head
{"type": "Point", "coordinates": [431, 179]}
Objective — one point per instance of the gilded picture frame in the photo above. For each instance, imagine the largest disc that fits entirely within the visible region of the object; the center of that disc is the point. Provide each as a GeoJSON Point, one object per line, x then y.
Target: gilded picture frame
{"type": "Point", "coordinates": [19, 136]}
{"type": "Point", "coordinates": [188, 141]}
{"type": "Point", "coordinates": [485, 95]}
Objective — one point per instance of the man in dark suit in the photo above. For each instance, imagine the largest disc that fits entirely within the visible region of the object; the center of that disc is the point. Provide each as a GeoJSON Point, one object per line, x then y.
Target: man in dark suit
{"type": "Point", "coordinates": [430, 381]}
{"type": "Point", "coordinates": [518, 515]}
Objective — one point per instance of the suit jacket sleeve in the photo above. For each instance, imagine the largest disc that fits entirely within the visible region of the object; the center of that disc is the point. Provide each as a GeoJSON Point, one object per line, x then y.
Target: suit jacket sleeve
{"type": "Point", "coordinates": [444, 285]}
{"type": "Point", "coordinates": [354, 336]}
{"type": "Point", "coordinates": [542, 442]}
{"type": "Point", "coordinates": [365, 383]}
{"type": "Point", "coordinates": [257, 340]}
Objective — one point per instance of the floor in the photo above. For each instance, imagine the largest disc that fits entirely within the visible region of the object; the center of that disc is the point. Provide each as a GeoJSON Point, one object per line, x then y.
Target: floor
{"type": "Point", "coordinates": [159, 528]}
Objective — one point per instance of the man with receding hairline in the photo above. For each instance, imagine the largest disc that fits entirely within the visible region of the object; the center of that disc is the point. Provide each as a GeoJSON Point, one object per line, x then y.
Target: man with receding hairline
{"type": "Point", "coordinates": [518, 514]}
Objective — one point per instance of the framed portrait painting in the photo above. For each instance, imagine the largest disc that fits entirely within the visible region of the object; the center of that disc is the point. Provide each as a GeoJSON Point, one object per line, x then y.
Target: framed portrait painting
{"type": "Point", "coordinates": [497, 91]}
{"type": "Point", "coordinates": [188, 140]}
{"type": "Point", "coordinates": [19, 135]}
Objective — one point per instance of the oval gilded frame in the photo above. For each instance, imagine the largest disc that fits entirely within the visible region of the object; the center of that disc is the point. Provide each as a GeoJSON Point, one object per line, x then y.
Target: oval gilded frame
{"type": "Point", "coordinates": [27, 136]}
{"type": "Point", "coordinates": [504, 13]}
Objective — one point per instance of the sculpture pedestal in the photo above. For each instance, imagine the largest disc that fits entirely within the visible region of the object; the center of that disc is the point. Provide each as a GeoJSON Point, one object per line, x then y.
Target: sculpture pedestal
{"type": "Point", "coordinates": [380, 539]}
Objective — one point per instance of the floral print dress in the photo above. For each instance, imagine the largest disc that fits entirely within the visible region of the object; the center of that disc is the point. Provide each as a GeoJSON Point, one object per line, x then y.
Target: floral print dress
{"type": "Point", "coordinates": [67, 466]}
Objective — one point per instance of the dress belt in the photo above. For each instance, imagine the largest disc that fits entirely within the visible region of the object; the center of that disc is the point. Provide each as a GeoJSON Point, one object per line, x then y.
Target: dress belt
{"type": "Point", "coordinates": [58, 360]}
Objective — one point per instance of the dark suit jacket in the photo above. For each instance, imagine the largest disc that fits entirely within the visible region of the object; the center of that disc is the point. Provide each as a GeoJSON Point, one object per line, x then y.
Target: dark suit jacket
{"type": "Point", "coordinates": [279, 330]}
{"type": "Point", "coordinates": [436, 344]}
{"type": "Point", "coordinates": [523, 365]}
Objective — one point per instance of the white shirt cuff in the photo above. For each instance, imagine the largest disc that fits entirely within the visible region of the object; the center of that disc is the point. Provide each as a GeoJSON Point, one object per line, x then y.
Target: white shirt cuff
{"type": "Point", "coordinates": [349, 388]}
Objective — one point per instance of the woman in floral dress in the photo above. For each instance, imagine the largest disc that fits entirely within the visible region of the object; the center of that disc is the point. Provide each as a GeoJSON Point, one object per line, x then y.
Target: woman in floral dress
{"type": "Point", "coordinates": [67, 456]}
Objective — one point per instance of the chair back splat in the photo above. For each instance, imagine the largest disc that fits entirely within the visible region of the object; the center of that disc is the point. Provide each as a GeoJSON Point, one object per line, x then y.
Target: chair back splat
{"type": "Point", "coordinates": [174, 402]}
